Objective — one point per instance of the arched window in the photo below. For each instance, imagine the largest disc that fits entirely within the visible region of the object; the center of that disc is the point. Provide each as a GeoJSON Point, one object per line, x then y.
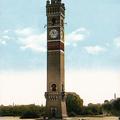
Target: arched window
{"type": "Point", "coordinates": [62, 23]}
{"type": "Point", "coordinates": [62, 87]}
{"type": "Point", "coordinates": [53, 86]}
{"type": "Point", "coordinates": [53, 21]}
{"type": "Point", "coordinates": [53, 112]}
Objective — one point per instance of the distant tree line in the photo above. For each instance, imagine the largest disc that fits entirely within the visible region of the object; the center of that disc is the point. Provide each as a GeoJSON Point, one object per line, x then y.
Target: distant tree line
{"type": "Point", "coordinates": [112, 107]}
{"type": "Point", "coordinates": [75, 107]}
{"type": "Point", "coordinates": [74, 104]}
{"type": "Point", "coordinates": [25, 111]}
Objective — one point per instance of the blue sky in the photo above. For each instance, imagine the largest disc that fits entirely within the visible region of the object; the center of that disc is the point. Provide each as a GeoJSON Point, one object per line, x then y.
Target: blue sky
{"type": "Point", "coordinates": [92, 41]}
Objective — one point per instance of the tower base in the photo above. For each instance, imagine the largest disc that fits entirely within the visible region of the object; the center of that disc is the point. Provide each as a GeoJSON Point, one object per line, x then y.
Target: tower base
{"type": "Point", "coordinates": [56, 105]}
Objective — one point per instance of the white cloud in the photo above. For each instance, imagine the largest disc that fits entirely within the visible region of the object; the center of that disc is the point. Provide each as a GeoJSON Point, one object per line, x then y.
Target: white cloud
{"type": "Point", "coordinates": [3, 42]}
{"type": "Point", "coordinates": [6, 31]}
{"type": "Point", "coordinates": [31, 40]}
{"type": "Point", "coordinates": [76, 36]}
{"type": "Point", "coordinates": [6, 37]}
{"type": "Point", "coordinates": [35, 42]}
{"type": "Point", "coordinates": [24, 32]}
{"type": "Point", "coordinates": [94, 49]}
{"type": "Point", "coordinates": [117, 41]}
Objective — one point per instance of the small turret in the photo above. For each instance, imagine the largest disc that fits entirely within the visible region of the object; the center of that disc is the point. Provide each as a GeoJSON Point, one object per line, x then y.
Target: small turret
{"type": "Point", "coordinates": [55, 1]}
{"type": "Point", "coordinates": [48, 2]}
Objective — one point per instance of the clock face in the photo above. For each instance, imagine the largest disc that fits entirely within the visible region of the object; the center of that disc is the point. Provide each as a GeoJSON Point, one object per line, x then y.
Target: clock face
{"type": "Point", "coordinates": [53, 33]}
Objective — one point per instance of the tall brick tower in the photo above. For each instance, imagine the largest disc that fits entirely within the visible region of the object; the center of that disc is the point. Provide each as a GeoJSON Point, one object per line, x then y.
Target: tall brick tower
{"type": "Point", "coordinates": [55, 95]}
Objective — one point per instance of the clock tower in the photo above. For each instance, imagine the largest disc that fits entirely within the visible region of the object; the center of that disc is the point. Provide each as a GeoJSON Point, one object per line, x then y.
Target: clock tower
{"type": "Point", "coordinates": [55, 95]}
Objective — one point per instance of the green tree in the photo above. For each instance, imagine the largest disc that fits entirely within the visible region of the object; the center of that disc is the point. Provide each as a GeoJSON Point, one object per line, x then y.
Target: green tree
{"type": "Point", "coordinates": [116, 104]}
{"type": "Point", "coordinates": [116, 107]}
{"type": "Point", "coordinates": [107, 107]}
{"type": "Point", "coordinates": [74, 104]}
{"type": "Point", "coordinates": [22, 110]}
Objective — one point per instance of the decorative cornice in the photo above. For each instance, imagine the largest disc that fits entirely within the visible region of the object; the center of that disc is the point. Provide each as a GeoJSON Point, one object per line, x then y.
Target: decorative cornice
{"type": "Point", "coordinates": [56, 51]}
{"type": "Point", "coordinates": [55, 41]}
